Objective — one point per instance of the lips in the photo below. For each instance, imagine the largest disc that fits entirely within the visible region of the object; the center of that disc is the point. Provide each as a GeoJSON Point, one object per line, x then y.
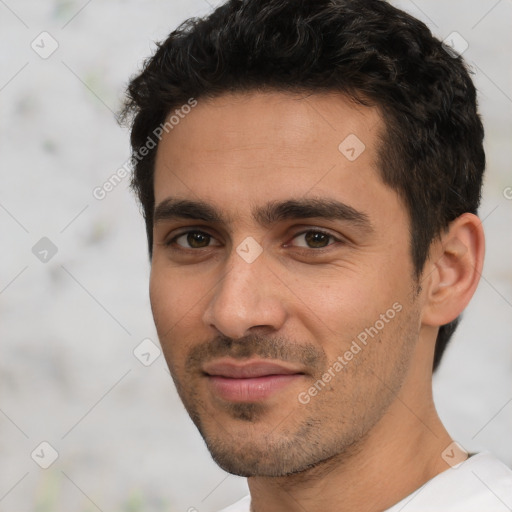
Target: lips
{"type": "Point", "coordinates": [248, 370]}
{"type": "Point", "coordinates": [250, 381]}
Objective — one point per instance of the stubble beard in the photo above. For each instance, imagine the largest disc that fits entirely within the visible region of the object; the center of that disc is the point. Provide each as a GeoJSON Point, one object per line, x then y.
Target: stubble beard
{"type": "Point", "coordinates": [310, 436]}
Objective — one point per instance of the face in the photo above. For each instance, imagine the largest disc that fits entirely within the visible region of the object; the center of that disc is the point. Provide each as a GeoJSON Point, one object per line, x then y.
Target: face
{"type": "Point", "coordinates": [281, 284]}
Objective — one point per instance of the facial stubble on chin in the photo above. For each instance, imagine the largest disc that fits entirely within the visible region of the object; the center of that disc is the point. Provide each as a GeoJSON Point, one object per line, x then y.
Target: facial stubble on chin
{"type": "Point", "coordinates": [308, 356]}
{"type": "Point", "coordinates": [302, 443]}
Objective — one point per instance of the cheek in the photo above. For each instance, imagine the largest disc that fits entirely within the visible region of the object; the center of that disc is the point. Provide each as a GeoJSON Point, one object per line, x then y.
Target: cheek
{"type": "Point", "coordinates": [168, 309]}
{"type": "Point", "coordinates": [171, 293]}
{"type": "Point", "coordinates": [342, 306]}
{"type": "Point", "coordinates": [168, 305]}
{"type": "Point", "coordinates": [335, 298]}
{"type": "Point", "coordinates": [162, 300]}
{"type": "Point", "coordinates": [177, 303]}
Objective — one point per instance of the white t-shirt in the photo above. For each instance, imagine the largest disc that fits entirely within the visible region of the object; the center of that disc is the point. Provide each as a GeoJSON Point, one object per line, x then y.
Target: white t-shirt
{"type": "Point", "coordinates": [481, 483]}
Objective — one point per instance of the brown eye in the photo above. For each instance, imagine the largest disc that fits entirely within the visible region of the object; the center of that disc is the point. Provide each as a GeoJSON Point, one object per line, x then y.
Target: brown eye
{"type": "Point", "coordinates": [193, 240]}
{"type": "Point", "coordinates": [317, 239]}
{"type": "Point", "coordinates": [314, 239]}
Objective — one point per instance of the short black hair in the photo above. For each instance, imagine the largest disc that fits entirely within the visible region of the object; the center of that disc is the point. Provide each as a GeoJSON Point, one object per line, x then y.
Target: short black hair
{"type": "Point", "coordinates": [431, 152]}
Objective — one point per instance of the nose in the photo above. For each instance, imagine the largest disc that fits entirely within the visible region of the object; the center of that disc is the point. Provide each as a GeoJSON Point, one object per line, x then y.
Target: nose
{"type": "Point", "coordinates": [248, 296]}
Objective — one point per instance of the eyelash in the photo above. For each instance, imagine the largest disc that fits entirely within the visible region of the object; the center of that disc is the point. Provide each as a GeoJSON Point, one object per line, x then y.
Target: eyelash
{"type": "Point", "coordinates": [172, 241]}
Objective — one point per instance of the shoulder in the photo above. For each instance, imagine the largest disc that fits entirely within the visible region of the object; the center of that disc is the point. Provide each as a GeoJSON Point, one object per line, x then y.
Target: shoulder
{"type": "Point", "coordinates": [482, 482]}
{"type": "Point", "coordinates": [244, 505]}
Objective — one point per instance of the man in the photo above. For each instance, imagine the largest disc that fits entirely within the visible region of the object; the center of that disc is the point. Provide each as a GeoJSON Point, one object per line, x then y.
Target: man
{"type": "Point", "coordinates": [310, 173]}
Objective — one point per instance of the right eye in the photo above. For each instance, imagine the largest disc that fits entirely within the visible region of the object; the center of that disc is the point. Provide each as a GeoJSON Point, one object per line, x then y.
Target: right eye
{"type": "Point", "coordinates": [192, 240]}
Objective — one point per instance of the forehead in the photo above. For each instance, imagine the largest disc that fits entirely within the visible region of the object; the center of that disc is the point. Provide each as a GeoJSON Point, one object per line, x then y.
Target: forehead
{"type": "Point", "coordinates": [249, 148]}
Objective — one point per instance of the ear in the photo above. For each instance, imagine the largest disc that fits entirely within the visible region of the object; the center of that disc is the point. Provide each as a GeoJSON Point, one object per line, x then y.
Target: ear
{"type": "Point", "coordinates": [454, 268]}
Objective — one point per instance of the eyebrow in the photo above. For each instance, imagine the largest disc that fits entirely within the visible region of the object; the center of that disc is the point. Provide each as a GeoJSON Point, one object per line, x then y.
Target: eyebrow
{"type": "Point", "coordinates": [266, 215]}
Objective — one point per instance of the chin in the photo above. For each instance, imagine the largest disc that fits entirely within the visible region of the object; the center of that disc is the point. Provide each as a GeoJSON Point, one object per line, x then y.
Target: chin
{"type": "Point", "coordinates": [261, 457]}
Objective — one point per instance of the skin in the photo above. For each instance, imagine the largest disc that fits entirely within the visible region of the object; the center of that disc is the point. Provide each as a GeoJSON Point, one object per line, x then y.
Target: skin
{"type": "Point", "coordinates": [304, 303]}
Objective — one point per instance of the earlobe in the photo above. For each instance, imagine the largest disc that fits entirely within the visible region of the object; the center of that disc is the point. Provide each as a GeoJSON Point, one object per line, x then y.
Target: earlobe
{"type": "Point", "coordinates": [456, 264]}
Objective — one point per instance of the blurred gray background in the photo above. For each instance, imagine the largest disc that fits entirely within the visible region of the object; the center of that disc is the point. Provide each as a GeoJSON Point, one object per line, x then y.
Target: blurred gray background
{"type": "Point", "coordinates": [74, 269]}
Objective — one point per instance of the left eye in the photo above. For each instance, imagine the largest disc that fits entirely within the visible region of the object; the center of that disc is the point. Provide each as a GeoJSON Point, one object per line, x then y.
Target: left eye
{"type": "Point", "coordinates": [314, 239]}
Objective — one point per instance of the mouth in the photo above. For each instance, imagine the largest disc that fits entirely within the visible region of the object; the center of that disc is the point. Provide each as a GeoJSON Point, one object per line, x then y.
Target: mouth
{"type": "Point", "coordinates": [250, 381]}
